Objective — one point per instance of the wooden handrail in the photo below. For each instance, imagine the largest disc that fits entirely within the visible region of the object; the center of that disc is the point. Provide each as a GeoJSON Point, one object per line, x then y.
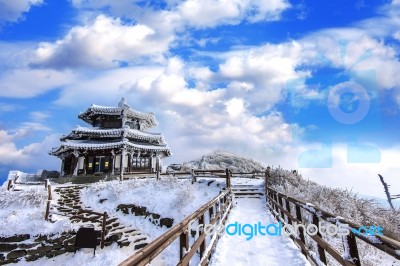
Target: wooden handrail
{"type": "Point", "coordinates": [148, 253]}
{"type": "Point", "coordinates": [274, 201]}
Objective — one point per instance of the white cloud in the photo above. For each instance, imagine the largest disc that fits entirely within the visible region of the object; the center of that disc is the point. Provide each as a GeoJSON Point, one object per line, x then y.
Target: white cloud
{"type": "Point", "coordinates": [259, 75]}
{"type": "Point", "coordinates": [104, 42]}
{"type": "Point", "coordinates": [32, 156]}
{"type": "Point", "coordinates": [194, 13]}
{"type": "Point", "coordinates": [235, 107]}
{"type": "Point", "coordinates": [26, 83]}
{"type": "Point", "coordinates": [13, 10]}
{"type": "Point", "coordinates": [39, 115]}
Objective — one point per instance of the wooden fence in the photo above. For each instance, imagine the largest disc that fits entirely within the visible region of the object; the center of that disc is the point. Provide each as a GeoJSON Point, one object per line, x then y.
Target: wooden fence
{"type": "Point", "coordinates": [290, 210]}
{"type": "Point", "coordinates": [217, 211]}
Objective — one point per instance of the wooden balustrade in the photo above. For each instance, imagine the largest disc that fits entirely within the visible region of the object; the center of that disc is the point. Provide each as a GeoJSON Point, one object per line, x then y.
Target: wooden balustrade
{"type": "Point", "coordinates": [217, 210]}
{"type": "Point", "coordinates": [282, 211]}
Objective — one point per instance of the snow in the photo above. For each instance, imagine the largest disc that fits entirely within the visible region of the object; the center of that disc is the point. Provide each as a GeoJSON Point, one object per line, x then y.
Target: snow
{"type": "Point", "coordinates": [170, 197]}
{"type": "Point", "coordinates": [118, 131]}
{"type": "Point", "coordinates": [112, 255]}
{"type": "Point", "coordinates": [222, 159]}
{"type": "Point", "coordinates": [260, 250]}
{"type": "Point", "coordinates": [22, 212]}
{"type": "Point", "coordinates": [82, 144]}
{"type": "Point", "coordinates": [97, 109]}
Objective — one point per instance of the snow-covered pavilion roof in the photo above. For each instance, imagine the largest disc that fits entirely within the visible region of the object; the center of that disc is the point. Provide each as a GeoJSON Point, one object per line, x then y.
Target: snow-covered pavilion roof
{"type": "Point", "coordinates": [148, 120]}
{"type": "Point", "coordinates": [115, 133]}
{"type": "Point", "coordinates": [97, 145]}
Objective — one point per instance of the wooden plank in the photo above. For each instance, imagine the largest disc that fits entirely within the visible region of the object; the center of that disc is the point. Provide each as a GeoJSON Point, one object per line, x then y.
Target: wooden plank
{"type": "Point", "coordinates": [198, 242]}
{"type": "Point", "coordinates": [213, 243]}
{"type": "Point", "coordinates": [203, 243]}
{"type": "Point", "coordinates": [183, 244]}
{"type": "Point", "coordinates": [321, 251]}
{"type": "Point", "coordinates": [350, 243]}
{"type": "Point", "coordinates": [103, 229]}
{"type": "Point", "coordinates": [46, 215]}
{"type": "Point", "coordinates": [49, 196]}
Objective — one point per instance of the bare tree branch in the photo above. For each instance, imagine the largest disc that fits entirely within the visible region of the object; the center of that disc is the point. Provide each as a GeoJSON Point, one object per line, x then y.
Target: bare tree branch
{"type": "Point", "coordinates": [386, 187]}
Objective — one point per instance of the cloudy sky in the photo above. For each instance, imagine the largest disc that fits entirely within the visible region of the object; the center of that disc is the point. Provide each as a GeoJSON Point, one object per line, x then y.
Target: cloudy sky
{"type": "Point", "coordinates": [308, 85]}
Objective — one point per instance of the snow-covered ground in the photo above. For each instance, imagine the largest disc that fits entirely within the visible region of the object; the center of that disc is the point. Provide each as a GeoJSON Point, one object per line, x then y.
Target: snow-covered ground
{"type": "Point", "coordinates": [260, 250]}
{"type": "Point", "coordinates": [169, 197]}
{"type": "Point", "coordinates": [22, 212]}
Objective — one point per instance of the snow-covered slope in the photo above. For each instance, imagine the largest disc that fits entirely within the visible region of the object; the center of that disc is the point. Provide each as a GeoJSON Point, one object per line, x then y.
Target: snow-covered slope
{"type": "Point", "coordinates": [221, 160]}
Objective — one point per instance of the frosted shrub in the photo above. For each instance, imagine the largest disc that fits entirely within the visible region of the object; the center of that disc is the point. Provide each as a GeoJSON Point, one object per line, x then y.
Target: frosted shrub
{"type": "Point", "coordinates": [31, 197]}
{"type": "Point", "coordinates": [184, 195]}
{"type": "Point", "coordinates": [341, 202]}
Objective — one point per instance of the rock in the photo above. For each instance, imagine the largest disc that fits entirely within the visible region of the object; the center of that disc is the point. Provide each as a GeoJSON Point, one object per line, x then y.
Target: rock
{"type": "Point", "coordinates": [123, 208]}
{"type": "Point", "coordinates": [2, 257]}
{"type": "Point", "coordinates": [167, 222]}
{"type": "Point", "coordinates": [15, 254]}
{"type": "Point", "coordinates": [210, 182]}
{"type": "Point", "coordinates": [44, 249]}
{"type": "Point", "coordinates": [32, 257]}
{"type": "Point", "coordinates": [26, 246]}
{"type": "Point", "coordinates": [139, 211]}
{"type": "Point", "coordinates": [7, 247]}
{"type": "Point", "coordinates": [115, 225]}
{"type": "Point", "coordinates": [130, 231]}
{"type": "Point", "coordinates": [114, 237]}
{"type": "Point", "coordinates": [102, 200]}
{"type": "Point", "coordinates": [139, 239]}
{"type": "Point", "coordinates": [139, 246]}
{"type": "Point", "coordinates": [110, 221]}
{"type": "Point", "coordinates": [54, 253]}
{"type": "Point", "coordinates": [124, 243]}
{"type": "Point", "coordinates": [155, 216]}
{"type": "Point", "coordinates": [69, 248]}
{"type": "Point", "coordinates": [15, 238]}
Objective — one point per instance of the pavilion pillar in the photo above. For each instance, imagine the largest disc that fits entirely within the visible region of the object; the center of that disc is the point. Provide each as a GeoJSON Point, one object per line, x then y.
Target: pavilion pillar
{"type": "Point", "coordinates": [158, 170]}
{"type": "Point", "coordinates": [121, 174]}
{"type": "Point", "coordinates": [85, 163]}
{"type": "Point", "coordinates": [129, 162]}
{"type": "Point", "coordinates": [62, 167]}
{"type": "Point", "coordinates": [76, 163]}
{"type": "Point", "coordinates": [113, 162]}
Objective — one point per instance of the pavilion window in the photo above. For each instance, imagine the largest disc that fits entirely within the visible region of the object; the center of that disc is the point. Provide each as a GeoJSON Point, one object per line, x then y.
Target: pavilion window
{"type": "Point", "coordinates": [112, 124]}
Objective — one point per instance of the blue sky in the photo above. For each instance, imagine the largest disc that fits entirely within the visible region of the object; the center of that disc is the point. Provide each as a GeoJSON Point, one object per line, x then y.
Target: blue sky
{"type": "Point", "coordinates": [309, 85]}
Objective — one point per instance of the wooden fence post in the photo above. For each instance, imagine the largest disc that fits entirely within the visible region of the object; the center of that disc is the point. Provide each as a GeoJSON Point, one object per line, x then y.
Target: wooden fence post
{"type": "Point", "coordinates": [203, 244]}
{"type": "Point", "coordinates": [228, 178]}
{"type": "Point", "coordinates": [9, 185]}
{"type": "Point", "coordinates": [183, 244]}
{"type": "Point", "coordinates": [301, 232]}
{"type": "Point", "coordinates": [350, 246]}
{"type": "Point", "coordinates": [281, 205]}
{"type": "Point", "coordinates": [288, 209]}
{"type": "Point", "coordinates": [266, 180]}
{"type": "Point", "coordinates": [321, 251]}
{"type": "Point", "coordinates": [103, 229]}
{"type": "Point", "coordinates": [46, 216]}
{"type": "Point", "coordinates": [49, 196]}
